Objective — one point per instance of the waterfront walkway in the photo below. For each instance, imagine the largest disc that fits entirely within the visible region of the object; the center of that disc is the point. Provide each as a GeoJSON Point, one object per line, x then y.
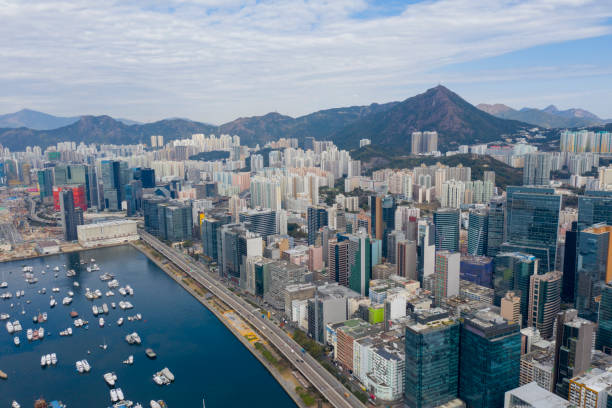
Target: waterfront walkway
{"type": "Point", "coordinates": [318, 376]}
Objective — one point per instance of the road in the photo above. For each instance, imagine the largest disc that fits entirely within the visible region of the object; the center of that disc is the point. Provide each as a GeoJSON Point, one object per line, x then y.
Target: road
{"type": "Point", "coordinates": [319, 377]}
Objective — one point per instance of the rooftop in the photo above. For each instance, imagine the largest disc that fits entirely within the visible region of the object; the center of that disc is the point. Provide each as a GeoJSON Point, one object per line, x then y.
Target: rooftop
{"type": "Point", "coordinates": [538, 397]}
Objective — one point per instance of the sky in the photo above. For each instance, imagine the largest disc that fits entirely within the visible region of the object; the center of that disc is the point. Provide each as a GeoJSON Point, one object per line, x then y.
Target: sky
{"type": "Point", "coordinates": [216, 60]}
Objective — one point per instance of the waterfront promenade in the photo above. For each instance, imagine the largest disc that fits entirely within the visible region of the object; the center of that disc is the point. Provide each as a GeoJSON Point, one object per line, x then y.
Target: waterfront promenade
{"type": "Point", "coordinates": [317, 375]}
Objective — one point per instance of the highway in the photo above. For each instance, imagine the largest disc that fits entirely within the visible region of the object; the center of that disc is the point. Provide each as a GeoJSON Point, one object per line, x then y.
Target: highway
{"type": "Point", "coordinates": [317, 375]}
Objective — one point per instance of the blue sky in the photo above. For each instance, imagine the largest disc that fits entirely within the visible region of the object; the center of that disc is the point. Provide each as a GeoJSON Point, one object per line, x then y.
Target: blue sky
{"type": "Point", "coordinates": [215, 60]}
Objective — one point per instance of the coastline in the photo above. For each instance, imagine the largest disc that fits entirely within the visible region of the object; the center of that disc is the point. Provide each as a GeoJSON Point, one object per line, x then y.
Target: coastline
{"type": "Point", "coordinates": [278, 376]}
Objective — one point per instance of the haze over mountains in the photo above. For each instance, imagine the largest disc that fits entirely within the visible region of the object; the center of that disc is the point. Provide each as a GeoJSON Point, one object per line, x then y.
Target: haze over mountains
{"type": "Point", "coordinates": [549, 117]}
{"type": "Point", "coordinates": [390, 124]}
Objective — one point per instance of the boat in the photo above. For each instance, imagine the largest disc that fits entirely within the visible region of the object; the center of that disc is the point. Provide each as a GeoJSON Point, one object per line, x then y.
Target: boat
{"type": "Point", "coordinates": [74, 314]}
{"type": "Point", "coordinates": [70, 293]}
{"type": "Point", "coordinates": [55, 290]}
{"type": "Point", "coordinates": [79, 366]}
{"type": "Point", "coordinates": [122, 292]}
{"type": "Point", "coordinates": [105, 308]}
{"type": "Point", "coordinates": [129, 360]}
{"type": "Point", "coordinates": [120, 321]}
{"type": "Point", "coordinates": [129, 290]}
{"type": "Point", "coordinates": [52, 302]}
{"type": "Point", "coordinates": [113, 394]}
{"type": "Point", "coordinates": [92, 260]}
{"type": "Point", "coordinates": [71, 273]}
{"type": "Point", "coordinates": [94, 309]}
{"type": "Point", "coordinates": [15, 404]}
{"type": "Point", "coordinates": [133, 338]}
{"type": "Point", "coordinates": [16, 340]}
{"type": "Point", "coordinates": [75, 284]}
{"type": "Point", "coordinates": [3, 375]}
{"type": "Point", "coordinates": [35, 334]}
{"type": "Point", "coordinates": [104, 346]}
{"type": "Point", "coordinates": [113, 284]}
{"type": "Point", "coordinates": [95, 267]}
{"type": "Point", "coordinates": [120, 394]}
{"type": "Point", "coordinates": [101, 322]}
{"type": "Point", "coordinates": [9, 327]}
{"type": "Point", "coordinates": [3, 285]}
{"type": "Point", "coordinates": [106, 277]}
{"type": "Point", "coordinates": [113, 305]}
{"type": "Point", "coordinates": [29, 334]}
{"type": "Point", "coordinates": [56, 269]}
{"type": "Point", "coordinates": [48, 359]}
{"type": "Point", "coordinates": [109, 293]}
{"type": "Point", "coordinates": [67, 300]}
{"type": "Point", "coordinates": [44, 315]}
{"type": "Point", "coordinates": [4, 316]}
{"type": "Point", "coordinates": [43, 361]}
{"type": "Point", "coordinates": [53, 358]}
{"type": "Point", "coordinates": [154, 404]}
{"type": "Point", "coordinates": [41, 332]}
{"type": "Point", "coordinates": [150, 353]}
{"type": "Point", "coordinates": [110, 378]}
{"type": "Point", "coordinates": [6, 295]}
{"type": "Point", "coordinates": [17, 326]}
{"type": "Point", "coordinates": [43, 291]}
{"type": "Point", "coordinates": [86, 366]}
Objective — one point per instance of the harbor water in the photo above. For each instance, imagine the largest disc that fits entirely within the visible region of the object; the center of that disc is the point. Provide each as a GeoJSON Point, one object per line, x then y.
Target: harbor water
{"type": "Point", "coordinates": [204, 356]}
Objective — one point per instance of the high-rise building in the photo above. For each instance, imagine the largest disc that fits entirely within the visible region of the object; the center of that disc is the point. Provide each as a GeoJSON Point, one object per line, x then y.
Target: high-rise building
{"type": "Point", "coordinates": [424, 142]}
{"type": "Point", "coordinates": [150, 211]}
{"type": "Point", "coordinates": [477, 269]}
{"type": "Point", "coordinates": [604, 326]}
{"type": "Point", "coordinates": [594, 268]}
{"type": "Point", "coordinates": [338, 264]}
{"type": "Point", "coordinates": [260, 221]}
{"type": "Point", "coordinates": [446, 221]}
{"type": "Point", "coordinates": [573, 342]}
{"type": "Point", "coordinates": [133, 197]}
{"type": "Point", "coordinates": [115, 175]}
{"type": "Point", "coordinates": [570, 265]}
{"type": "Point", "coordinates": [594, 207]}
{"type": "Point", "coordinates": [531, 395]}
{"type": "Point", "coordinates": [175, 223]}
{"type": "Point", "coordinates": [490, 353]}
{"type": "Point", "coordinates": [329, 305]}
{"type": "Point", "coordinates": [45, 183]}
{"type": "Point", "coordinates": [78, 196]}
{"type": "Point", "coordinates": [536, 170]}
{"type": "Point", "coordinates": [513, 272]}
{"type": "Point", "coordinates": [446, 277]}
{"type": "Point", "coordinates": [495, 225]}
{"type": "Point", "coordinates": [146, 177]}
{"type": "Point", "coordinates": [406, 258]}
{"type": "Point", "coordinates": [477, 232]}
{"type": "Point", "coordinates": [592, 389]}
{"type": "Point", "coordinates": [71, 216]}
{"type": "Point", "coordinates": [432, 359]}
{"type": "Point", "coordinates": [317, 218]}
{"type": "Point", "coordinates": [544, 301]}
{"type": "Point", "coordinates": [511, 307]}
{"type": "Point", "coordinates": [209, 228]}
{"type": "Point", "coordinates": [426, 249]}
{"type": "Point", "coordinates": [533, 223]}
{"type": "Point", "coordinates": [392, 239]}
{"type": "Point", "coordinates": [234, 245]}
{"type": "Point", "coordinates": [359, 258]}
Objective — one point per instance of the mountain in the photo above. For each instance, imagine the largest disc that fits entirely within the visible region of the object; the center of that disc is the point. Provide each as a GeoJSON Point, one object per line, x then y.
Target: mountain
{"type": "Point", "coordinates": [321, 125]}
{"type": "Point", "coordinates": [456, 121]}
{"type": "Point", "coordinates": [549, 117]}
{"type": "Point", "coordinates": [34, 120]}
{"type": "Point", "coordinates": [102, 129]}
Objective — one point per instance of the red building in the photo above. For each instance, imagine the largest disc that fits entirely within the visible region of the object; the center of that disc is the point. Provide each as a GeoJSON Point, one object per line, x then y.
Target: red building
{"type": "Point", "coordinates": [78, 192]}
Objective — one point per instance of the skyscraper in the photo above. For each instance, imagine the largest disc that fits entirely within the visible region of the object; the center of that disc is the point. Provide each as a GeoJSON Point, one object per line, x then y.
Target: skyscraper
{"type": "Point", "coordinates": [490, 353]}
{"type": "Point", "coordinates": [536, 170]}
{"type": "Point", "coordinates": [151, 213]}
{"type": "Point", "coordinates": [260, 221]}
{"type": "Point", "coordinates": [209, 229]}
{"type": "Point", "coordinates": [604, 327]}
{"type": "Point", "coordinates": [317, 218]}
{"type": "Point", "coordinates": [175, 221]}
{"type": "Point", "coordinates": [570, 265]}
{"type": "Point", "coordinates": [406, 259]}
{"type": "Point", "coordinates": [495, 225]}
{"type": "Point", "coordinates": [377, 227]}
{"type": "Point", "coordinates": [71, 217]}
{"type": "Point", "coordinates": [424, 142]}
{"type": "Point", "coordinates": [544, 302]}
{"type": "Point", "coordinates": [446, 221]}
{"type": "Point", "coordinates": [432, 359]}
{"type": "Point", "coordinates": [446, 278]}
{"type": "Point", "coordinates": [115, 175]}
{"type": "Point", "coordinates": [572, 349]}
{"type": "Point", "coordinates": [426, 249]}
{"type": "Point", "coordinates": [359, 262]}
{"type": "Point", "coordinates": [382, 213]}
{"type": "Point", "coordinates": [594, 207]}
{"type": "Point", "coordinates": [533, 223]}
{"type": "Point", "coordinates": [477, 232]}
{"type": "Point", "coordinates": [594, 268]}
{"type": "Point", "coordinates": [392, 239]}
{"type": "Point", "coordinates": [338, 253]}
{"type": "Point", "coordinates": [45, 184]}
{"type": "Point", "coordinates": [513, 272]}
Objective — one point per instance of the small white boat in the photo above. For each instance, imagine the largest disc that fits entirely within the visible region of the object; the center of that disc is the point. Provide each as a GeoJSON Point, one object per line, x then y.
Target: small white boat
{"type": "Point", "coordinates": [3, 285]}
{"type": "Point", "coordinates": [105, 308]}
{"type": "Point", "coordinates": [113, 305]}
{"type": "Point", "coordinates": [120, 394]}
{"type": "Point", "coordinates": [79, 366]}
{"type": "Point", "coordinates": [41, 332]}
{"type": "Point", "coordinates": [110, 378]}
{"type": "Point", "coordinates": [9, 327]}
{"type": "Point", "coordinates": [86, 366]}
{"type": "Point", "coordinates": [56, 268]}
{"type": "Point", "coordinates": [55, 290]}
{"type": "Point", "coordinates": [67, 300]}
{"type": "Point", "coordinates": [16, 340]}
{"type": "Point", "coordinates": [101, 322]}
{"type": "Point", "coordinates": [53, 358]}
{"type": "Point", "coordinates": [48, 359]}
{"type": "Point", "coordinates": [71, 273]}
{"type": "Point", "coordinates": [70, 293]}
{"type": "Point", "coordinates": [154, 404]}
{"type": "Point", "coordinates": [94, 309]}
{"type": "Point", "coordinates": [43, 361]}
{"type": "Point", "coordinates": [4, 316]}
{"type": "Point", "coordinates": [129, 360]}
{"type": "Point", "coordinates": [75, 284]}
{"type": "Point", "coordinates": [120, 321]}
{"type": "Point", "coordinates": [29, 334]}
{"type": "Point", "coordinates": [15, 404]}
{"type": "Point", "coordinates": [113, 394]}
{"type": "Point", "coordinates": [52, 302]}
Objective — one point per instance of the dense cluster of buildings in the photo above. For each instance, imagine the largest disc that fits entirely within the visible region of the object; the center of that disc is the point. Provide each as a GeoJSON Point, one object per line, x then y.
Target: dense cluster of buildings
{"type": "Point", "coordinates": [428, 286]}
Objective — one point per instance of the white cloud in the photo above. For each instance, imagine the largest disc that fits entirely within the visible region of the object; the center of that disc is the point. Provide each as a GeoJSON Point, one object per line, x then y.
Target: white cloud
{"type": "Point", "coordinates": [214, 60]}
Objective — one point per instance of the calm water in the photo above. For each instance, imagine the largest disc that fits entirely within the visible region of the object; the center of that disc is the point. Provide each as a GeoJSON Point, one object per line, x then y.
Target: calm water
{"type": "Point", "coordinates": [206, 359]}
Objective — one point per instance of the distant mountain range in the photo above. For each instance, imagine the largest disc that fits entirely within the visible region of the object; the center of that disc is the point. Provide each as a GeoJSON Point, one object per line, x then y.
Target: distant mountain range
{"type": "Point", "coordinates": [35, 120]}
{"type": "Point", "coordinates": [390, 124]}
{"type": "Point", "coordinates": [549, 117]}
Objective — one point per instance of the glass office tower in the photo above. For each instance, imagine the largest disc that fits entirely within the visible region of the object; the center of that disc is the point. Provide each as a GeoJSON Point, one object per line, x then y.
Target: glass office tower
{"type": "Point", "coordinates": [604, 329]}
{"type": "Point", "coordinates": [446, 221]}
{"type": "Point", "coordinates": [512, 272]}
{"type": "Point", "coordinates": [594, 207]}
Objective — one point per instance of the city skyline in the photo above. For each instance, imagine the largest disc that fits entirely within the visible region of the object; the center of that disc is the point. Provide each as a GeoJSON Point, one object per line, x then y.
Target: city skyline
{"type": "Point", "coordinates": [215, 61]}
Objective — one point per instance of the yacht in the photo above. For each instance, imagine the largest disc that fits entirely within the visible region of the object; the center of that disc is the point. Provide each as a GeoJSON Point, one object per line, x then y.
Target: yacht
{"type": "Point", "coordinates": [43, 361]}
{"type": "Point", "coordinates": [101, 322]}
{"type": "Point", "coordinates": [53, 358]}
{"type": "Point", "coordinates": [109, 293]}
{"type": "Point", "coordinates": [122, 291]}
{"type": "Point", "coordinates": [17, 326]}
{"type": "Point", "coordinates": [94, 309]}
{"type": "Point", "coordinates": [79, 366]}
{"type": "Point", "coordinates": [9, 327]}
{"type": "Point", "coordinates": [120, 394]}
{"type": "Point", "coordinates": [86, 366]}
{"type": "Point", "coordinates": [16, 340]}
{"type": "Point", "coordinates": [52, 302]}
{"type": "Point", "coordinates": [110, 379]}
{"type": "Point", "coordinates": [41, 332]}
{"type": "Point", "coordinates": [95, 267]}
{"type": "Point", "coordinates": [120, 321]}
{"type": "Point", "coordinates": [70, 293]}
{"type": "Point", "coordinates": [129, 290]}
{"type": "Point", "coordinates": [75, 284]}
{"type": "Point", "coordinates": [67, 300]}
{"type": "Point", "coordinates": [48, 359]}
{"type": "Point", "coordinates": [154, 404]}
{"type": "Point", "coordinates": [113, 305]}
{"type": "Point", "coordinates": [71, 273]}
{"type": "Point", "coordinates": [55, 290]}
{"type": "Point", "coordinates": [129, 360]}
{"type": "Point", "coordinates": [133, 338]}
{"type": "Point", "coordinates": [113, 284]}
{"type": "Point", "coordinates": [105, 308]}
{"type": "Point", "coordinates": [29, 334]}
{"type": "Point", "coordinates": [113, 394]}
{"type": "Point", "coordinates": [4, 316]}
{"type": "Point", "coordinates": [3, 285]}
{"type": "Point", "coordinates": [106, 277]}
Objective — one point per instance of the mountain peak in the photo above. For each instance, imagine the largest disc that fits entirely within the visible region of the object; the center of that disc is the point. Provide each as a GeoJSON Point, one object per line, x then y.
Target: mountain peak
{"type": "Point", "coordinates": [551, 109]}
